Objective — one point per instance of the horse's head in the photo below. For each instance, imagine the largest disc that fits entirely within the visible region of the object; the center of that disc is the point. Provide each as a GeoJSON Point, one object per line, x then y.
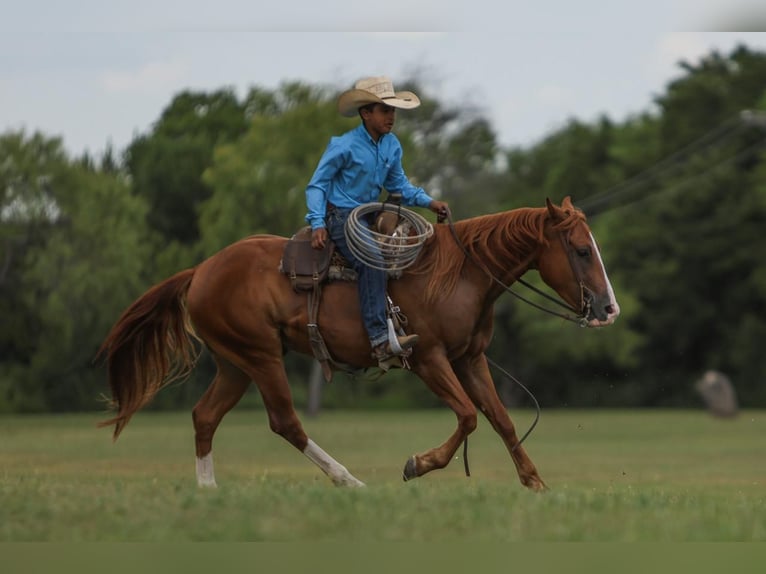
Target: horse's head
{"type": "Point", "coordinates": [571, 265]}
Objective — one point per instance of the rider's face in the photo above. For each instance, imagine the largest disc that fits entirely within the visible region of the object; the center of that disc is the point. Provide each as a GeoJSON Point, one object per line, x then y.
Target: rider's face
{"type": "Point", "coordinates": [379, 120]}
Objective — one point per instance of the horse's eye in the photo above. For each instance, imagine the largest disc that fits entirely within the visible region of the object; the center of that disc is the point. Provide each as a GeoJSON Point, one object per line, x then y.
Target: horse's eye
{"type": "Point", "coordinates": [583, 251]}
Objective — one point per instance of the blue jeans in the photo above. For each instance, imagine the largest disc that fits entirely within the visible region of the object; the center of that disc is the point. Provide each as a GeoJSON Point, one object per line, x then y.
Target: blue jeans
{"type": "Point", "coordinates": [371, 283]}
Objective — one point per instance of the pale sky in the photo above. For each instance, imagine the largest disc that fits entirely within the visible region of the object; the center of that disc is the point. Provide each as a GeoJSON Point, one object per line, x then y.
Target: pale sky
{"type": "Point", "coordinates": [93, 72]}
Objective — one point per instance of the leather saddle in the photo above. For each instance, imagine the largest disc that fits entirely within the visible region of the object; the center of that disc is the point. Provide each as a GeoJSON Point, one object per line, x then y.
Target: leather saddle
{"type": "Point", "coordinates": [305, 266]}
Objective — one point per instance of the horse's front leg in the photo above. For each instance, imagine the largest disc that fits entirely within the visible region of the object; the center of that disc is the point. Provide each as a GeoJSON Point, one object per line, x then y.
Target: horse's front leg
{"type": "Point", "coordinates": [477, 382]}
{"type": "Point", "coordinates": [437, 373]}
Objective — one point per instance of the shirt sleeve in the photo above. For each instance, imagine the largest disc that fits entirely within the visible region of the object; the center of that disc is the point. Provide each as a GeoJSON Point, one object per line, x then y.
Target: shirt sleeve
{"type": "Point", "coordinates": [398, 182]}
{"type": "Point", "coordinates": [329, 165]}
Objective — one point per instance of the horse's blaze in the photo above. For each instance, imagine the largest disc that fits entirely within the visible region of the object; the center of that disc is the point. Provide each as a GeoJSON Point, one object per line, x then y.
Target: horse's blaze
{"type": "Point", "coordinates": [612, 309]}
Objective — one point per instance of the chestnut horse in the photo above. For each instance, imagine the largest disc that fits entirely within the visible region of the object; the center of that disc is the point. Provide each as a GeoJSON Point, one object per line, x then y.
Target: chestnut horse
{"type": "Point", "coordinates": [244, 310]}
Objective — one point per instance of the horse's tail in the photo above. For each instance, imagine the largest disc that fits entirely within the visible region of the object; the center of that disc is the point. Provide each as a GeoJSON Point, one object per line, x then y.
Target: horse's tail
{"type": "Point", "coordinates": [149, 347]}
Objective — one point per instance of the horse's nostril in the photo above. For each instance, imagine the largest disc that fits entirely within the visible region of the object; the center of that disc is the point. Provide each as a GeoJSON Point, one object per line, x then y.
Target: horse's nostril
{"type": "Point", "coordinates": [609, 309]}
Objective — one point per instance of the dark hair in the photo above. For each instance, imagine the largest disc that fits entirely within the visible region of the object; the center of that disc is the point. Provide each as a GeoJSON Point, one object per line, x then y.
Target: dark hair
{"type": "Point", "coordinates": [369, 107]}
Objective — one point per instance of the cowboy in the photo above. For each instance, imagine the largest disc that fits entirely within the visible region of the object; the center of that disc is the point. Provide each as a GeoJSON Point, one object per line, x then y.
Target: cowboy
{"type": "Point", "coordinates": [351, 172]}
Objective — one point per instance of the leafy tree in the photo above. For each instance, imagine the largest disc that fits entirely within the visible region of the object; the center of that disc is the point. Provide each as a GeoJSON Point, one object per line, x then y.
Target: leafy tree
{"type": "Point", "coordinates": [90, 268]}
{"type": "Point", "coordinates": [76, 242]}
{"type": "Point", "coordinates": [259, 182]}
{"type": "Point", "coordinates": [691, 250]}
{"type": "Point", "coordinates": [709, 94]}
{"type": "Point", "coordinates": [579, 161]}
{"type": "Point", "coordinates": [166, 165]}
{"type": "Point", "coordinates": [28, 165]}
{"type": "Point", "coordinates": [452, 152]}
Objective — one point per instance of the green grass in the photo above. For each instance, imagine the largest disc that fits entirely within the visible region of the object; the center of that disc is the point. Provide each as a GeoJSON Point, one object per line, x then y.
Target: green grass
{"type": "Point", "coordinates": [613, 476]}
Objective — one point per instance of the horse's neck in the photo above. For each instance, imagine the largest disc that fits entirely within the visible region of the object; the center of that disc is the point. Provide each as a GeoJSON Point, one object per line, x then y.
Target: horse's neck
{"type": "Point", "coordinates": [505, 244]}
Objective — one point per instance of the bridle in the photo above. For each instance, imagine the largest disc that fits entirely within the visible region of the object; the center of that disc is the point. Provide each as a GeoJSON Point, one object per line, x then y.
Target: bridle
{"type": "Point", "coordinates": [586, 294]}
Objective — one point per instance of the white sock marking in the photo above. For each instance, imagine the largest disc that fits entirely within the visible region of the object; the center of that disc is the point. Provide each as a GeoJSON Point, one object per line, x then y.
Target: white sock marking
{"type": "Point", "coordinates": [331, 467]}
{"type": "Point", "coordinates": [205, 472]}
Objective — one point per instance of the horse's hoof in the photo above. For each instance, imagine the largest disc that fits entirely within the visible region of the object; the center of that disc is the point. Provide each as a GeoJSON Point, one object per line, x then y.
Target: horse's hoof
{"type": "Point", "coordinates": [349, 482]}
{"type": "Point", "coordinates": [535, 484]}
{"type": "Point", "coordinates": [410, 471]}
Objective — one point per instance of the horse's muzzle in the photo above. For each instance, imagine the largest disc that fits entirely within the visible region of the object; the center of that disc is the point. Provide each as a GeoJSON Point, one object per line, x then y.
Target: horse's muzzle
{"type": "Point", "coordinates": [599, 311]}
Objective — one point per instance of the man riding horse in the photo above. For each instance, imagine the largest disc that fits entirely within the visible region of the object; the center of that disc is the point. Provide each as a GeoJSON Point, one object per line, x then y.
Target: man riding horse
{"type": "Point", "coordinates": [352, 171]}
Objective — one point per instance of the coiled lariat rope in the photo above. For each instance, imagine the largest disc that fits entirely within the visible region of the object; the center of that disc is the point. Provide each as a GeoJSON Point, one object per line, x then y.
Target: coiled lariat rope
{"type": "Point", "coordinates": [382, 251]}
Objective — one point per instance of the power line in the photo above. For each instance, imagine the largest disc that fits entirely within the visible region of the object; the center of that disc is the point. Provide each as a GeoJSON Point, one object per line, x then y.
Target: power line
{"type": "Point", "coordinates": [675, 162]}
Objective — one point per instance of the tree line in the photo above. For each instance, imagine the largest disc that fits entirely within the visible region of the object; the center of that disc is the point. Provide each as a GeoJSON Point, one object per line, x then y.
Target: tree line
{"type": "Point", "coordinates": [676, 196]}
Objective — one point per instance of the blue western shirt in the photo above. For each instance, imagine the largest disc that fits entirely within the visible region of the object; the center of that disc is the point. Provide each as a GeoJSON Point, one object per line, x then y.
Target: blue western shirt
{"type": "Point", "coordinates": [352, 171]}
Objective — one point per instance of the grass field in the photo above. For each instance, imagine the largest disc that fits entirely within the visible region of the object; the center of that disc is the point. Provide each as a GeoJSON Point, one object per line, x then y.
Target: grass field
{"type": "Point", "coordinates": [613, 476]}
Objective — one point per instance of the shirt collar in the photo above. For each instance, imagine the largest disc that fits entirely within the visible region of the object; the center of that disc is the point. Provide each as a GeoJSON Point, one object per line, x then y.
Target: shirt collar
{"type": "Point", "coordinates": [362, 132]}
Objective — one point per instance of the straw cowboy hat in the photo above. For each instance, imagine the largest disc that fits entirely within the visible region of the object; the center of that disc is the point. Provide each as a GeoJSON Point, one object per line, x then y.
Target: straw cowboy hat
{"type": "Point", "coordinates": [379, 90]}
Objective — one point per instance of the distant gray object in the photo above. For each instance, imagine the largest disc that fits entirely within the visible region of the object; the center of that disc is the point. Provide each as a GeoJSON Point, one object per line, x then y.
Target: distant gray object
{"type": "Point", "coordinates": [718, 393]}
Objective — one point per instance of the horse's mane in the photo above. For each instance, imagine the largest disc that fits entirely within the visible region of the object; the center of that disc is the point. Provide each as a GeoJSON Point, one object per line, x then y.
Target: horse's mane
{"type": "Point", "coordinates": [502, 241]}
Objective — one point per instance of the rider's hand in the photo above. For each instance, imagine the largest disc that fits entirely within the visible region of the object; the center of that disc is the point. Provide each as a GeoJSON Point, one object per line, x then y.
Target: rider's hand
{"type": "Point", "coordinates": [440, 208]}
{"type": "Point", "coordinates": [319, 238]}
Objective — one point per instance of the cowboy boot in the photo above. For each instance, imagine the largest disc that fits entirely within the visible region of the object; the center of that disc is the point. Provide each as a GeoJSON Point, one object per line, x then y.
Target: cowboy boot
{"type": "Point", "coordinates": [407, 341]}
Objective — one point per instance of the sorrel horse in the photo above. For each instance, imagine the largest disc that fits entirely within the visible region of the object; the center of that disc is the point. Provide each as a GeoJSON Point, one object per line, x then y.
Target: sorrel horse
{"type": "Point", "coordinates": [246, 313]}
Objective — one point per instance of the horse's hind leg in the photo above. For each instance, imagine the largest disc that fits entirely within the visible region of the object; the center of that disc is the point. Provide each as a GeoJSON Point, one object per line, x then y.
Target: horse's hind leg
{"type": "Point", "coordinates": [270, 377]}
{"type": "Point", "coordinates": [227, 389]}
{"type": "Point", "coordinates": [476, 379]}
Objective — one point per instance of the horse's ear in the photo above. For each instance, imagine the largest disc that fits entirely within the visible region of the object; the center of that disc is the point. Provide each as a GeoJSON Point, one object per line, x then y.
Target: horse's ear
{"type": "Point", "coordinates": [554, 211]}
{"type": "Point", "coordinates": [566, 204]}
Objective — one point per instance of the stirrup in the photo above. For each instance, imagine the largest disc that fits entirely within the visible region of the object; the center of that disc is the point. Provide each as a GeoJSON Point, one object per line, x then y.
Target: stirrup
{"type": "Point", "coordinates": [400, 346]}
{"type": "Point", "coordinates": [390, 362]}
{"type": "Point", "coordinates": [394, 355]}
{"type": "Point", "coordinates": [395, 351]}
